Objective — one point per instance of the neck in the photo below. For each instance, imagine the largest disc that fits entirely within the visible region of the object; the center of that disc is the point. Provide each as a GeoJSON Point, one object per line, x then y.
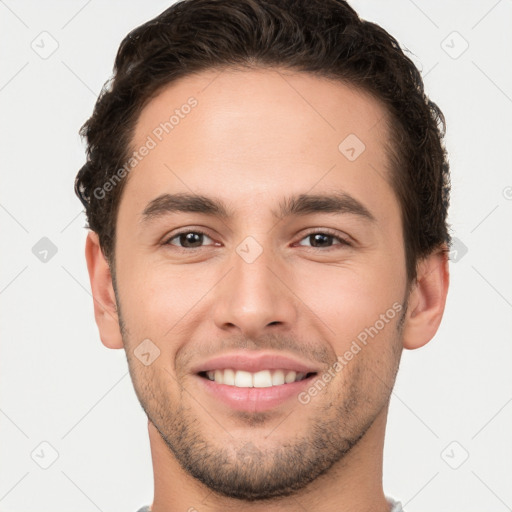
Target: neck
{"type": "Point", "coordinates": [354, 483]}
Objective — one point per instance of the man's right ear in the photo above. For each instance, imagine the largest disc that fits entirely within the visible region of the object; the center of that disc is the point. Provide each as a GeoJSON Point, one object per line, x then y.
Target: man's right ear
{"type": "Point", "coordinates": [105, 308]}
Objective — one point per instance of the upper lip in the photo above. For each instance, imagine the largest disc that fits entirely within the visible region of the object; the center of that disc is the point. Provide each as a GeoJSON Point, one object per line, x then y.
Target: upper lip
{"type": "Point", "coordinates": [255, 362]}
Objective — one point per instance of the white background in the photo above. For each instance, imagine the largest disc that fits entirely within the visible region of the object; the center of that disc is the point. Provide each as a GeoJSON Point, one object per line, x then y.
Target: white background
{"type": "Point", "coordinates": [61, 386]}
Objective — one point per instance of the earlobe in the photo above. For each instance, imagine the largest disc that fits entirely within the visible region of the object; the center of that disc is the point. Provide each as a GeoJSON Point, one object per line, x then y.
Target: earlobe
{"type": "Point", "coordinates": [105, 308]}
{"type": "Point", "coordinates": [427, 300]}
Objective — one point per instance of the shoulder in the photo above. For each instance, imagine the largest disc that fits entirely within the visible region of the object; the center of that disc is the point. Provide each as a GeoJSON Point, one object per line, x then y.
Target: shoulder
{"type": "Point", "coordinates": [396, 506]}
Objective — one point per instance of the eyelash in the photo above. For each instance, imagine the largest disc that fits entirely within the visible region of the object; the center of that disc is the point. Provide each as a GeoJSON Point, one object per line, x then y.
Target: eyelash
{"type": "Point", "coordinates": [343, 241]}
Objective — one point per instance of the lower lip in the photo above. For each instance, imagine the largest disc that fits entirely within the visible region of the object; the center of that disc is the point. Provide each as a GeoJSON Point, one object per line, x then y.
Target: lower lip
{"type": "Point", "coordinates": [255, 399]}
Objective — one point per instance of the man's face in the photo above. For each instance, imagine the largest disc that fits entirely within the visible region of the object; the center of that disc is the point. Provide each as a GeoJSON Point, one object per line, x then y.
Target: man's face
{"type": "Point", "coordinates": [276, 275]}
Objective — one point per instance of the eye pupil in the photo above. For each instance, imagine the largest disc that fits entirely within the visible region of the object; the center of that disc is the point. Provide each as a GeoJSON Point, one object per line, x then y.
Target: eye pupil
{"type": "Point", "coordinates": [195, 239]}
{"type": "Point", "coordinates": [321, 239]}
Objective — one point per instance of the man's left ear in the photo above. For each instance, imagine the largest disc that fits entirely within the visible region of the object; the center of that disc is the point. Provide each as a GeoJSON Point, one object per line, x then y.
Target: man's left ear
{"type": "Point", "coordinates": [427, 299]}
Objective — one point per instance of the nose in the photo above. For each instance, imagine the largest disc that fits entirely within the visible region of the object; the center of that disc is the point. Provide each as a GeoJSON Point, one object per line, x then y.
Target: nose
{"type": "Point", "coordinates": [254, 297]}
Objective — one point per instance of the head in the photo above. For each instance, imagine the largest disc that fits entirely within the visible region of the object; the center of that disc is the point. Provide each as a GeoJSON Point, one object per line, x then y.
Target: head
{"type": "Point", "coordinates": [265, 176]}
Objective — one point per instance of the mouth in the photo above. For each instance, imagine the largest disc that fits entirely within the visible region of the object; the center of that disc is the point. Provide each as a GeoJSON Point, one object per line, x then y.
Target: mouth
{"type": "Point", "coordinates": [254, 381]}
{"type": "Point", "coordinates": [261, 379]}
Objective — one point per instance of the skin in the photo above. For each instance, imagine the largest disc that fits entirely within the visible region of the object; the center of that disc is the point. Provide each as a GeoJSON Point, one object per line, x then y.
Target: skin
{"type": "Point", "coordinates": [255, 138]}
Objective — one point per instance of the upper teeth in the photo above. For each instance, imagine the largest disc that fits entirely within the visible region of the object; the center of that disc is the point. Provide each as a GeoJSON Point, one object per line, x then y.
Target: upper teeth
{"type": "Point", "coordinates": [262, 379]}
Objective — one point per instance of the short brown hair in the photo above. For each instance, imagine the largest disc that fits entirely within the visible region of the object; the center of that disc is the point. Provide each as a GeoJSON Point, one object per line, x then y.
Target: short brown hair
{"type": "Point", "coordinates": [322, 37]}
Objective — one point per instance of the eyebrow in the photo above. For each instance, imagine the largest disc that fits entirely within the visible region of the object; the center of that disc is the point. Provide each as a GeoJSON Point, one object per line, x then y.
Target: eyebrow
{"type": "Point", "coordinates": [302, 204]}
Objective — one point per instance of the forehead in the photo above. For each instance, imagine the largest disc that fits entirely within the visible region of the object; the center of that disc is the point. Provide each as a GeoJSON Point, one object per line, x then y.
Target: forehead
{"type": "Point", "coordinates": [232, 100]}
{"type": "Point", "coordinates": [236, 132]}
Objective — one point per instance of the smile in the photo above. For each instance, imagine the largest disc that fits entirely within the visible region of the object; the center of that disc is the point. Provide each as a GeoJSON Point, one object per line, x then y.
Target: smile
{"type": "Point", "coordinates": [260, 379]}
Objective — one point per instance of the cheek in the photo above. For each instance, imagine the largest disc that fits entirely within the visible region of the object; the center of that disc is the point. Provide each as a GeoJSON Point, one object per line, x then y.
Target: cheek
{"type": "Point", "coordinates": [155, 298]}
{"type": "Point", "coordinates": [349, 298]}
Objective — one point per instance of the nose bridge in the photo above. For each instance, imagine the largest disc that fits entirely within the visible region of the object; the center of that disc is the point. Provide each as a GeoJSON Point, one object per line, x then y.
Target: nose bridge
{"type": "Point", "coordinates": [251, 297]}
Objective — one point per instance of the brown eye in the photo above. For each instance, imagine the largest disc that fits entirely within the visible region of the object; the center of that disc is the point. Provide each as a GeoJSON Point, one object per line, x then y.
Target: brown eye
{"type": "Point", "coordinates": [322, 239]}
{"type": "Point", "coordinates": [188, 239]}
